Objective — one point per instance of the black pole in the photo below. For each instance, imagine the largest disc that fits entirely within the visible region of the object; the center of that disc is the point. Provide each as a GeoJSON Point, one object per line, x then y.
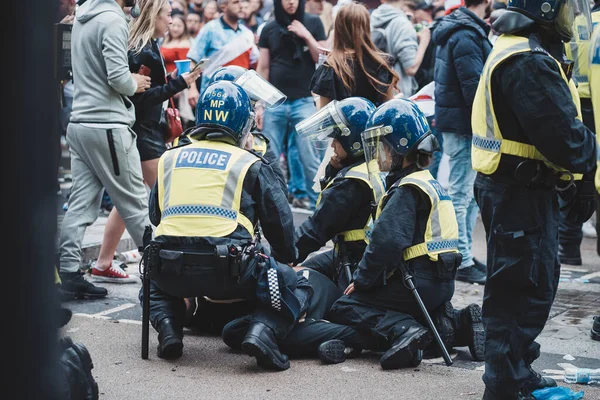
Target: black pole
{"type": "Point", "coordinates": [146, 318]}
{"type": "Point", "coordinates": [408, 279]}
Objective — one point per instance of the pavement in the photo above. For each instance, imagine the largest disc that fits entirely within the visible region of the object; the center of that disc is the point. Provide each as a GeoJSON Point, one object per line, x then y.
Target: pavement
{"type": "Point", "coordinates": [111, 329]}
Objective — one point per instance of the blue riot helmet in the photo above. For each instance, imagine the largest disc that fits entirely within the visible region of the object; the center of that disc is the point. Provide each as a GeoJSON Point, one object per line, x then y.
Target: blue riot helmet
{"type": "Point", "coordinates": [229, 73]}
{"type": "Point", "coordinates": [341, 120]}
{"type": "Point", "coordinates": [255, 85]}
{"type": "Point", "coordinates": [397, 130]}
{"type": "Point", "coordinates": [224, 113]}
{"type": "Point", "coordinates": [567, 17]}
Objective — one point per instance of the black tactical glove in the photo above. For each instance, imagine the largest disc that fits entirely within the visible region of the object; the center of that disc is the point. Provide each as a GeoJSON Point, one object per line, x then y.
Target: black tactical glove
{"type": "Point", "coordinates": [582, 204]}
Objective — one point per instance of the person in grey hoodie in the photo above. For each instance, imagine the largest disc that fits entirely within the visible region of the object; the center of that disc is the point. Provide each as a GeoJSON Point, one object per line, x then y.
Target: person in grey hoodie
{"type": "Point", "coordinates": [403, 42]}
{"type": "Point", "coordinates": [462, 49]}
{"type": "Point", "coordinates": [101, 142]}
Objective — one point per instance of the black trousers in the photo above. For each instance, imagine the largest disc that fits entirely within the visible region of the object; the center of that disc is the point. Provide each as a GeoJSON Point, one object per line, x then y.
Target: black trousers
{"type": "Point", "coordinates": [164, 305]}
{"type": "Point", "coordinates": [570, 233]}
{"type": "Point", "coordinates": [523, 271]}
{"type": "Point", "coordinates": [387, 312]}
{"type": "Point", "coordinates": [310, 332]}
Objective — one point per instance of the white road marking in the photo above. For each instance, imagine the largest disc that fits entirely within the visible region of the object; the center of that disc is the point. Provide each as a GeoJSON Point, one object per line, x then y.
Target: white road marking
{"type": "Point", "coordinates": [114, 310]}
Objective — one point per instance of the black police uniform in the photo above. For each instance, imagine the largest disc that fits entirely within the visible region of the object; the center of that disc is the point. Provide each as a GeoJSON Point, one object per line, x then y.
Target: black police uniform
{"type": "Point", "coordinates": [261, 200]}
{"type": "Point", "coordinates": [383, 306]}
{"type": "Point", "coordinates": [313, 329]}
{"type": "Point", "coordinates": [533, 105]}
{"type": "Point", "coordinates": [345, 205]}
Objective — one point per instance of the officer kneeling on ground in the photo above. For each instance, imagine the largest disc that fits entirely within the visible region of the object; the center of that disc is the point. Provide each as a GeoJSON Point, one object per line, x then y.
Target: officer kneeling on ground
{"type": "Point", "coordinates": [415, 225]}
{"type": "Point", "coordinates": [530, 146]}
{"type": "Point", "coordinates": [342, 214]}
{"type": "Point", "coordinates": [209, 197]}
{"type": "Point", "coordinates": [203, 313]}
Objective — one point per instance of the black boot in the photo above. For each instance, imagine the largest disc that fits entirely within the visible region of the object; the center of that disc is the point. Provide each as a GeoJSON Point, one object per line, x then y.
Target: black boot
{"type": "Point", "coordinates": [472, 274]}
{"type": "Point", "coordinates": [569, 254]}
{"type": "Point", "coordinates": [595, 332]}
{"type": "Point", "coordinates": [335, 352]}
{"type": "Point", "coordinates": [260, 342]}
{"type": "Point", "coordinates": [407, 350]}
{"type": "Point", "coordinates": [444, 319]}
{"type": "Point", "coordinates": [170, 340]}
{"type": "Point", "coordinates": [469, 331]}
{"type": "Point", "coordinates": [235, 331]}
{"type": "Point", "coordinates": [537, 382]}
{"type": "Point", "coordinates": [74, 286]}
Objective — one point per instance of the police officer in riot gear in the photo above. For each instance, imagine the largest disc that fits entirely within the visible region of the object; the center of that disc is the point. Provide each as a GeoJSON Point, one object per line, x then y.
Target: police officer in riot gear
{"type": "Point", "coordinates": [342, 214]}
{"type": "Point", "coordinates": [578, 50]}
{"type": "Point", "coordinates": [529, 147]}
{"type": "Point", "coordinates": [205, 314]}
{"type": "Point", "coordinates": [415, 225]}
{"type": "Point", "coordinates": [344, 207]}
{"type": "Point", "coordinates": [209, 197]}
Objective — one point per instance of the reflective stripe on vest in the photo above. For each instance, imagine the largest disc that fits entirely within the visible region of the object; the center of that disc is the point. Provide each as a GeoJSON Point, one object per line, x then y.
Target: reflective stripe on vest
{"type": "Point", "coordinates": [200, 189]}
{"type": "Point", "coordinates": [594, 58]}
{"type": "Point", "coordinates": [259, 145]}
{"type": "Point", "coordinates": [578, 51]}
{"type": "Point", "coordinates": [488, 143]}
{"type": "Point", "coordinates": [441, 233]}
{"type": "Point", "coordinates": [361, 173]}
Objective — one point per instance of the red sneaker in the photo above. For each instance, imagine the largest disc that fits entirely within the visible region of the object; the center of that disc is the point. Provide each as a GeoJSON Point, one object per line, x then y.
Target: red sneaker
{"type": "Point", "coordinates": [114, 274]}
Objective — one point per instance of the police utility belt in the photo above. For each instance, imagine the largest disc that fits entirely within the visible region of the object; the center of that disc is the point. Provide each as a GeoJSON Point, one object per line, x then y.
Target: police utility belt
{"type": "Point", "coordinates": [533, 174]}
{"type": "Point", "coordinates": [225, 260]}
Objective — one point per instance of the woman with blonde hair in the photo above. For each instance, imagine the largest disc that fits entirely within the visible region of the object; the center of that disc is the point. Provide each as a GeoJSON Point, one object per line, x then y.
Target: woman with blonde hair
{"type": "Point", "coordinates": [153, 23]}
{"type": "Point", "coordinates": [354, 68]}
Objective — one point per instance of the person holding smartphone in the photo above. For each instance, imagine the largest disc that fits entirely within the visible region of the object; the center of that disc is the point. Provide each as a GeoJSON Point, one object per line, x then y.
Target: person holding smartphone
{"type": "Point", "coordinates": [153, 23]}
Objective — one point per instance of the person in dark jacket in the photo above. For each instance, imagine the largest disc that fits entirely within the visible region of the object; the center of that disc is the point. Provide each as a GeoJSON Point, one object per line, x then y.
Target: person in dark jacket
{"type": "Point", "coordinates": [398, 140]}
{"type": "Point", "coordinates": [463, 47]}
{"type": "Point", "coordinates": [210, 195]}
{"type": "Point", "coordinates": [530, 146]}
{"type": "Point", "coordinates": [343, 211]}
{"type": "Point", "coordinates": [153, 23]}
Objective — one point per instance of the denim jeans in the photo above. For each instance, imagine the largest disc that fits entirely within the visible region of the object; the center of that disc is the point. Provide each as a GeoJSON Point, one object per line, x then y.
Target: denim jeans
{"type": "Point", "coordinates": [460, 189]}
{"type": "Point", "coordinates": [303, 161]}
{"type": "Point", "coordinates": [437, 156]}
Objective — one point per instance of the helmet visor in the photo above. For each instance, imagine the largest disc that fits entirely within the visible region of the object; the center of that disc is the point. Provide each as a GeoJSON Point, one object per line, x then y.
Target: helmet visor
{"type": "Point", "coordinates": [322, 127]}
{"type": "Point", "coordinates": [260, 90]}
{"type": "Point", "coordinates": [574, 20]}
{"type": "Point", "coordinates": [378, 154]}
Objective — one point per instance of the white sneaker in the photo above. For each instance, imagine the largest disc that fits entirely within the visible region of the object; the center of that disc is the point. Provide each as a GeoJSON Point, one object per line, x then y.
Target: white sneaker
{"type": "Point", "coordinates": [589, 230]}
{"type": "Point", "coordinates": [128, 257]}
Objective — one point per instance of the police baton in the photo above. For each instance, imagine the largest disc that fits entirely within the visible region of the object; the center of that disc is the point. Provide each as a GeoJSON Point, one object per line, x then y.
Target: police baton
{"type": "Point", "coordinates": [145, 273]}
{"type": "Point", "coordinates": [410, 284]}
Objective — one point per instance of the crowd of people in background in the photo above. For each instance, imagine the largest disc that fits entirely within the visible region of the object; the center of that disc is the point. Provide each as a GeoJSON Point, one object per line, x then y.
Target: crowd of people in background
{"type": "Point", "coordinates": [313, 52]}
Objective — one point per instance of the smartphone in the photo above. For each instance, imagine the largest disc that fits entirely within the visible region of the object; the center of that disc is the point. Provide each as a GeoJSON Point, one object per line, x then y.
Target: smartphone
{"type": "Point", "coordinates": [144, 70]}
{"type": "Point", "coordinates": [201, 64]}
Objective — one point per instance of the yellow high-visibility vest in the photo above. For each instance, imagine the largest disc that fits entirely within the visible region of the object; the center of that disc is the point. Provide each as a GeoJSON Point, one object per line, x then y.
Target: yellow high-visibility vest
{"type": "Point", "coordinates": [200, 189]}
{"type": "Point", "coordinates": [361, 173]}
{"type": "Point", "coordinates": [578, 51]}
{"type": "Point", "coordinates": [594, 58]}
{"type": "Point", "coordinates": [488, 143]}
{"type": "Point", "coordinates": [441, 233]}
{"type": "Point", "coordinates": [259, 144]}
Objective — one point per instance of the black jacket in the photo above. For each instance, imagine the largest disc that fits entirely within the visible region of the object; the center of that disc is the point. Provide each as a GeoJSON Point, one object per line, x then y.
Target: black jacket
{"type": "Point", "coordinates": [537, 108]}
{"type": "Point", "coordinates": [262, 201]}
{"type": "Point", "coordinates": [149, 104]}
{"type": "Point", "coordinates": [401, 224]}
{"type": "Point", "coordinates": [345, 205]}
{"type": "Point", "coordinates": [463, 48]}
